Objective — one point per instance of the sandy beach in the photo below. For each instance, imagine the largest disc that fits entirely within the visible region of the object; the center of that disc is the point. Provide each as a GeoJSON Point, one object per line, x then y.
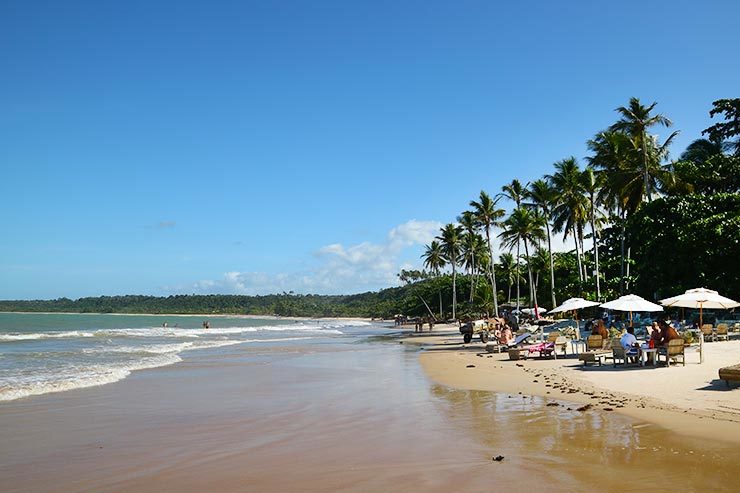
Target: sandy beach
{"type": "Point", "coordinates": [689, 400]}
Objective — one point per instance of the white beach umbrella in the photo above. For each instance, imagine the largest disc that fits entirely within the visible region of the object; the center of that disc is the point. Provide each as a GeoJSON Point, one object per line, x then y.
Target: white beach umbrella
{"type": "Point", "coordinates": [572, 304]}
{"type": "Point", "coordinates": [700, 298]}
{"type": "Point", "coordinates": [632, 303]}
{"type": "Point", "coordinates": [530, 311]}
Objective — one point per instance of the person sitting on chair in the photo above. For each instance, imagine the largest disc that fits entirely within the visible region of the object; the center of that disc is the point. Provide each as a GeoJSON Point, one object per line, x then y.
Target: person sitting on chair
{"type": "Point", "coordinates": [667, 333]}
{"type": "Point", "coordinates": [506, 336]}
{"type": "Point", "coordinates": [629, 343]}
{"type": "Point", "coordinates": [599, 329]}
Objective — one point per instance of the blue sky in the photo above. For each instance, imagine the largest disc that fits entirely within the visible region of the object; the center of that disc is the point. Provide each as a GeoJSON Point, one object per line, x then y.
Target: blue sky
{"type": "Point", "coordinates": [255, 147]}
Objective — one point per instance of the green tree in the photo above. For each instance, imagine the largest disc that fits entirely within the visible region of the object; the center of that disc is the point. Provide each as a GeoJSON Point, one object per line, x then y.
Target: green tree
{"type": "Point", "coordinates": [687, 241]}
{"type": "Point", "coordinates": [635, 120]}
{"type": "Point", "coordinates": [526, 226]}
{"type": "Point", "coordinates": [544, 197]}
{"type": "Point", "coordinates": [705, 167]}
{"type": "Point", "coordinates": [510, 271]}
{"type": "Point", "coordinates": [570, 213]}
{"type": "Point", "coordinates": [451, 246]}
{"type": "Point", "coordinates": [515, 192]}
{"type": "Point", "coordinates": [488, 215]}
{"type": "Point", "coordinates": [725, 131]}
{"type": "Point", "coordinates": [433, 257]}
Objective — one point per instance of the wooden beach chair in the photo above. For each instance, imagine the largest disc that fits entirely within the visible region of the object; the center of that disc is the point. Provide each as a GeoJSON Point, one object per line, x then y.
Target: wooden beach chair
{"type": "Point", "coordinates": [560, 342]}
{"type": "Point", "coordinates": [722, 332]}
{"type": "Point", "coordinates": [620, 356]}
{"type": "Point", "coordinates": [708, 332]}
{"type": "Point", "coordinates": [730, 373]}
{"type": "Point", "coordinates": [672, 351]}
{"type": "Point", "coordinates": [595, 352]}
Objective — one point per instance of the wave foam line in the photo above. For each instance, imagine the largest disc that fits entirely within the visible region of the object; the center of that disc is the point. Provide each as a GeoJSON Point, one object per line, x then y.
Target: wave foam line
{"type": "Point", "coordinates": [94, 376]}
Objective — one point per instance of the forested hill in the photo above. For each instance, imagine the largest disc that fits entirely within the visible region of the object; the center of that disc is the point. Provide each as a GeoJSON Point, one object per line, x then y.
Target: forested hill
{"type": "Point", "coordinates": [384, 303]}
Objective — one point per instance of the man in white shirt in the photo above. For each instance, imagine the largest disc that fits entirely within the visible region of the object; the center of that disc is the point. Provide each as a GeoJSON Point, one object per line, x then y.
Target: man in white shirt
{"type": "Point", "coordinates": [629, 342]}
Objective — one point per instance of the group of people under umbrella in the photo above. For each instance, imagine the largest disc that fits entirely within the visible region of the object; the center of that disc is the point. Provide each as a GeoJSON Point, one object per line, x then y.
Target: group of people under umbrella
{"type": "Point", "coordinates": [700, 298]}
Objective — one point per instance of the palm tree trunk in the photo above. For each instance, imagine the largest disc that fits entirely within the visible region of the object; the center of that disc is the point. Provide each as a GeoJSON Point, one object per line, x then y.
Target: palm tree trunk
{"type": "Point", "coordinates": [440, 304]}
{"type": "Point", "coordinates": [583, 253]}
{"type": "Point", "coordinates": [518, 261]}
{"type": "Point", "coordinates": [627, 280]}
{"type": "Point", "coordinates": [454, 292]}
{"type": "Point", "coordinates": [552, 267]}
{"type": "Point", "coordinates": [533, 294]}
{"type": "Point", "coordinates": [578, 256]}
{"type": "Point", "coordinates": [646, 176]}
{"type": "Point", "coordinates": [472, 276]}
{"type": "Point", "coordinates": [596, 248]}
{"type": "Point", "coordinates": [493, 273]}
{"type": "Point", "coordinates": [621, 241]}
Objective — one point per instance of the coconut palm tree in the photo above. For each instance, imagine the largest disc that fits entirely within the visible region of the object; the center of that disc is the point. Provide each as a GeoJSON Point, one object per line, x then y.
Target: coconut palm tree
{"type": "Point", "coordinates": [488, 216]}
{"type": "Point", "coordinates": [515, 192]}
{"type": "Point", "coordinates": [526, 226]}
{"type": "Point", "coordinates": [510, 269]}
{"type": "Point", "coordinates": [544, 197]}
{"type": "Point", "coordinates": [635, 120]}
{"type": "Point", "coordinates": [621, 192]}
{"type": "Point", "coordinates": [451, 246]}
{"type": "Point", "coordinates": [469, 238]}
{"type": "Point", "coordinates": [570, 213]}
{"type": "Point", "coordinates": [434, 257]}
{"type": "Point", "coordinates": [434, 261]}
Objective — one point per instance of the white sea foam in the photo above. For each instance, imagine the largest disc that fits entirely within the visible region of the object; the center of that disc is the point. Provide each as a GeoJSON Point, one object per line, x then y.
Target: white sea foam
{"type": "Point", "coordinates": [16, 336]}
{"type": "Point", "coordinates": [77, 378]}
{"type": "Point", "coordinates": [327, 329]}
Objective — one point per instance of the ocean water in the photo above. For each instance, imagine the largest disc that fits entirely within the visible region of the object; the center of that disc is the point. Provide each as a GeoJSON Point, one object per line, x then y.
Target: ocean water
{"type": "Point", "coordinates": [43, 353]}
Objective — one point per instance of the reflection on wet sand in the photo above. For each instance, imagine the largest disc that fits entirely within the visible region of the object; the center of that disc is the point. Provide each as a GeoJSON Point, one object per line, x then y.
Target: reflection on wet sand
{"type": "Point", "coordinates": [587, 447]}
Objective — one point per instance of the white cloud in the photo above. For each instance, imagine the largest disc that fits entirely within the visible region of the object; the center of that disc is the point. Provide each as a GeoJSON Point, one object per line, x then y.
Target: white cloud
{"type": "Point", "coordinates": [339, 268]}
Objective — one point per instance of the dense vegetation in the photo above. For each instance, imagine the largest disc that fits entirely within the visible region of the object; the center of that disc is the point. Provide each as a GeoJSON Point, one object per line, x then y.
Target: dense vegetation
{"type": "Point", "coordinates": [660, 226]}
{"type": "Point", "coordinates": [384, 303]}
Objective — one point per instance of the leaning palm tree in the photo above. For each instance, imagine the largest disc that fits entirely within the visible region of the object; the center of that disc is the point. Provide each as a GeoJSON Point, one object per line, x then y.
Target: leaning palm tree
{"type": "Point", "coordinates": [488, 216]}
{"type": "Point", "coordinates": [543, 196]}
{"type": "Point", "coordinates": [451, 246]}
{"type": "Point", "coordinates": [635, 120]}
{"type": "Point", "coordinates": [526, 226]}
{"type": "Point", "coordinates": [515, 192]}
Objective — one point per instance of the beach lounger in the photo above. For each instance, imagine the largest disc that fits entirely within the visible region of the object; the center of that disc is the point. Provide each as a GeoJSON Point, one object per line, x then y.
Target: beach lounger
{"type": "Point", "coordinates": [722, 333]}
{"type": "Point", "coordinates": [730, 373]}
{"type": "Point", "coordinates": [515, 350]}
{"type": "Point", "coordinates": [673, 351]}
{"type": "Point", "coordinates": [543, 349]}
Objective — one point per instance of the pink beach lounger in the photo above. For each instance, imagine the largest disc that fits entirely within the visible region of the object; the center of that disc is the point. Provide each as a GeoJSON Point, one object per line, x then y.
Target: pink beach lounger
{"type": "Point", "coordinates": [543, 348]}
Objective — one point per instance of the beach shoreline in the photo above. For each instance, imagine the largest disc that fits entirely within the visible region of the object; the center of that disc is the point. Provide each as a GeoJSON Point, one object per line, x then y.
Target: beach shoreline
{"type": "Point", "coordinates": [207, 315]}
{"type": "Point", "coordinates": [688, 400]}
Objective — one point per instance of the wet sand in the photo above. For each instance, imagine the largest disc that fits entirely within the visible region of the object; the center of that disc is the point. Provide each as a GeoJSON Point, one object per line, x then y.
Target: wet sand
{"type": "Point", "coordinates": [689, 400]}
{"type": "Point", "coordinates": [347, 416]}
